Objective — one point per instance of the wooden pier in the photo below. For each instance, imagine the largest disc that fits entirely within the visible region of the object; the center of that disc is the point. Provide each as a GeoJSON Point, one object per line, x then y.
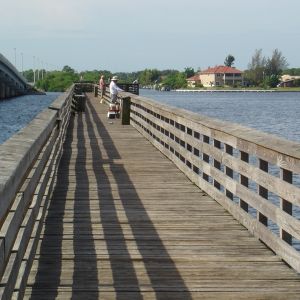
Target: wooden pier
{"type": "Point", "coordinates": [125, 223]}
{"type": "Point", "coordinates": [163, 208]}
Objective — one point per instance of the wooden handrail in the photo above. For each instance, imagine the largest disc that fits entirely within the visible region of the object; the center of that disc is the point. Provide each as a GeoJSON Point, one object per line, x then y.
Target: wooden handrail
{"type": "Point", "coordinates": [232, 164]}
{"type": "Point", "coordinates": [29, 161]}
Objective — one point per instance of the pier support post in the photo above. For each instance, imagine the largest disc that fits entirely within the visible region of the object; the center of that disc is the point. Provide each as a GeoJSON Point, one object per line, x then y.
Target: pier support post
{"type": "Point", "coordinates": [2, 90]}
{"type": "Point", "coordinates": [7, 92]}
{"type": "Point", "coordinates": [125, 113]}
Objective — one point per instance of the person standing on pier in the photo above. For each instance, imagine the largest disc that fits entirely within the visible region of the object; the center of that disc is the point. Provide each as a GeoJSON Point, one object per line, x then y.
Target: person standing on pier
{"type": "Point", "coordinates": [114, 89]}
{"type": "Point", "coordinates": [102, 86]}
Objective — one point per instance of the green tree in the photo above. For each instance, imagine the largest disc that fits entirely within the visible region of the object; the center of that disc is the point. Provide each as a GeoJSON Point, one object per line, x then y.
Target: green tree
{"type": "Point", "coordinates": [229, 60]}
{"type": "Point", "coordinates": [189, 72]}
{"type": "Point", "coordinates": [297, 82]}
{"type": "Point", "coordinates": [276, 64]}
{"type": "Point", "coordinates": [292, 71]}
{"type": "Point", "coordinates": [68, 69]}
{"type": "Point", "coordinates": [28, 74]}
{"type": "Point", "coordinates": [256, 68]}
{"type": "Point", "coordinates": [175, 80]}
{"type": "Point", "coordinates": [94, 75]}
{"type": "Point", "coordinates": [148, 77]}
{"type": "Point", "coordinates": [271, 81]}
{"type": "Point", "coordinates": [57, 81]}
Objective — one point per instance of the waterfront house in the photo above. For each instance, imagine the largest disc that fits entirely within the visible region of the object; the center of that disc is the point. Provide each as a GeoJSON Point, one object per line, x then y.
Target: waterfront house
{"type": "Point", "coordinates": [221, 76]}
{"type": "Point", "coordinates": [194, 80]}
{"type": "Point", "coordinates": [289, 81]}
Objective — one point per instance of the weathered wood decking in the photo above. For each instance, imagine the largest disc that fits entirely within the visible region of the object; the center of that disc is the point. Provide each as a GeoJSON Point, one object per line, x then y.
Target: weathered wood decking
{"type": "Point", "coordinates": [125, 223]}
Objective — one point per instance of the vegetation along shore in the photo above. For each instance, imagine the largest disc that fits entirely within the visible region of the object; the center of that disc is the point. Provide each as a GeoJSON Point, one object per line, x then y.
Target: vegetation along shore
{"type": "Point", "coordinates": [262, 74]}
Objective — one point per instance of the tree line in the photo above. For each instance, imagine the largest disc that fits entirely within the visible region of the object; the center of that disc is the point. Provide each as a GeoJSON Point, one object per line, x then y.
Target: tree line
{"type": "Point", "coordinates": [262, 72]}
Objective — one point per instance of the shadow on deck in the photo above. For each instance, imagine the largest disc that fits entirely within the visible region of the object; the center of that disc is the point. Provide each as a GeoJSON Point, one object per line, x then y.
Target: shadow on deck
{"type": "Point", "coordinates": [124, 223]}
{"type": "Point", "coordinates": [83, 253]}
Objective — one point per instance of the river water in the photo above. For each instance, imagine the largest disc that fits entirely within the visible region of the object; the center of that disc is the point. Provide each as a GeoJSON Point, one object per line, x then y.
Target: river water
{"type": "Point", "coordinates": [16, 113]}
{"type": "Point", "coordinates": [277, 112]}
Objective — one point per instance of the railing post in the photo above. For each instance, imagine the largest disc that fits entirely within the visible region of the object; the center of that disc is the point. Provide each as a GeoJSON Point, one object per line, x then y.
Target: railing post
{"type": "Point", "coordinates": [263, 192]}
{"type": "Point", "coordinates": [96, 90]}
{"type": "Point", "coordinates": [125, 111]}
{"type": "Point", "coordinates": [286, 205]}
{"type": "Point", "coordinates": [217, 164]}
{"type": "Point", "coordinates": [229, 171]}
{"type": "Point", "coordinates": [207, 146]}
{"type": "Point", "coordinates": [244, 156]}
{"type": "Point", "coordinates": [205, 157]}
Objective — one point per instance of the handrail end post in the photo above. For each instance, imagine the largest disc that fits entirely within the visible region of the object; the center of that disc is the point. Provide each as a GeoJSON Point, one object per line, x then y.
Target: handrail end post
{"type": "Point", "coordinates": [125, 112]}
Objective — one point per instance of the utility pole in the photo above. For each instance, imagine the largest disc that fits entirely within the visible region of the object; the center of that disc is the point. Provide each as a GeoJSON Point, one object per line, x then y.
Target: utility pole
{"type": "Point", "coordinates": [22, 63]}
{"type": "Point", "coordinates": [38, 70]}
{"type": "Point", "coordinates": [34, 70]}
{"type": "Point", "coordinates": [15, 50]}
{"type": "Point", "coordinates": [42, 70]}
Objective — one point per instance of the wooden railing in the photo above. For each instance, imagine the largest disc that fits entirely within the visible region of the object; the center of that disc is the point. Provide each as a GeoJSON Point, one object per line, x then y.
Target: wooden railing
{"type": "Point", "coordinates": [254, 175]}
{"type": "Point", "coordinates": [133, 88]}
{"type": "Point", "coordinates": [28, 164]}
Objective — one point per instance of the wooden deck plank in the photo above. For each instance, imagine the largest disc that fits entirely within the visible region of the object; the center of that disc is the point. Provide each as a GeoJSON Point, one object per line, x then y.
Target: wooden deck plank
{"type": "Point", "coordinates": [125, 223]}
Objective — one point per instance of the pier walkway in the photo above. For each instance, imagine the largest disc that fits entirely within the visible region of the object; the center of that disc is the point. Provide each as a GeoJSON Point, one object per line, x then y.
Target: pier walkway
{"type": "Point", "coordinates": [125, 223]}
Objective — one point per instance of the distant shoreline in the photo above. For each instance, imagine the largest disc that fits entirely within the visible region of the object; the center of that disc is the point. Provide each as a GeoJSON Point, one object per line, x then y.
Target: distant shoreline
{"type": "Point", "coordinates": [236, 91]}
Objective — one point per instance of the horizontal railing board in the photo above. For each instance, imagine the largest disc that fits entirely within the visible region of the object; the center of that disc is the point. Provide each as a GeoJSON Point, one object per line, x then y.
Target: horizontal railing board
{"type": "Point", "coordinates": [14, 171]}
{"type": "Point", "coordinates": [60, 102]}
{"type": "Point", "coordinates": [290, 255]}
{"type": "Point", "coordinates": [13, 220]}
{"type": "Point", "coordinates": [39, 204]}
{"type": "Point", "coordinates": [176, 133]}
{"type": "Point", "coordinates": [26, 228]}
{"type": "Point", "coordinates": [279, 151]}
{"type": "Point", "coordinates": [283, 189]}
{"type": "Point", "coordinates": [9, 278]}
{"type": "Point", "coordinates": [29, 173]}
{"type": "Point", "coordinates": [2, 253]}
{"type": "Point", "coordinates": [20, 283]}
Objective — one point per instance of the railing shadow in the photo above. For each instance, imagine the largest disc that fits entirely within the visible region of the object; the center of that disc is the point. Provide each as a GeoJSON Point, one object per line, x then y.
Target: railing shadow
{"type": "Point", "coordinates": [50, 259]}
{"type": "Point", "coordinates": [160, 278]}
{"type": "Point", "coordinates": [80, 272]}
{"type": "Point", "coordinates": [85, 273]}
{"type": "Point", "coordinates": [120, 228]}
{"type": "Point", "coordinates": [118, 256]}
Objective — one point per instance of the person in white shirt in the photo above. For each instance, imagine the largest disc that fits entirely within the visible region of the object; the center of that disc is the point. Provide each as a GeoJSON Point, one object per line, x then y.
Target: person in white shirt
{"type": "Point", "coordinates": [114, 89]}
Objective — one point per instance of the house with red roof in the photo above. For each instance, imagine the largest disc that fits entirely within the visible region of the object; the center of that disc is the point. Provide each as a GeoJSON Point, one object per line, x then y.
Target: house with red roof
{"type": "Point", "coordinates": [220, 76]}
{"type": "Point", "coordinates": [194, 80]}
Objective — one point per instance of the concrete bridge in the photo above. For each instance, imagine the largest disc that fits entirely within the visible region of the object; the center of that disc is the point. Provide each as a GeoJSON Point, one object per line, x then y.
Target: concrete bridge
{"type": "Point", "coordinates": [12, 83]}
{"type": "Point", "coordinates": [158, 204]}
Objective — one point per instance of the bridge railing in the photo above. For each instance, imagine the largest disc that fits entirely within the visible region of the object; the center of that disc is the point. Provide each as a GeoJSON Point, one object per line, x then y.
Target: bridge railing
{"type": "Point", "coordinates": [253, 175]}
{"type": "Point", "coordinates": [9, 65]}
{"type": "Point", "coordinates": [133, 88]}
{"type": "Point", "coordinates": [28, 164]}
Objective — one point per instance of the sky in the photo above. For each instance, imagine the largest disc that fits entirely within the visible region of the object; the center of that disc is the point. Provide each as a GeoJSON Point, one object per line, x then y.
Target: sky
{"type": "Point", "coordinates": [131, 35]}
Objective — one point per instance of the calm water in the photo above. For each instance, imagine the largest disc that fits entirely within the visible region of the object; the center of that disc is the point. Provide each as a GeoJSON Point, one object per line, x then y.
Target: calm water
{"type": "Point", "coordinates": [16, 113]}
{"type": "Point", "coordinates": [277, 113]}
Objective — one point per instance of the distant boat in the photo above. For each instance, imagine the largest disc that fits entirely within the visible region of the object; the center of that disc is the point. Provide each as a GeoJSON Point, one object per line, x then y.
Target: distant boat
{"type": "Point", "coordinates": [165, 88]}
